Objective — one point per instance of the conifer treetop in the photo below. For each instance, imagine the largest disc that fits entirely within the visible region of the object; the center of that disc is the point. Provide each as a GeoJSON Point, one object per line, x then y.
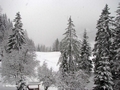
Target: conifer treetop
{"type": "Point", "coordinates": [17, 39]}
{"type": "Point", "coordinates": [117, 19]}
{"type": "Point", "coordinates": [17, 20]}
{"type": "Point", "coordinates": [70, 29]}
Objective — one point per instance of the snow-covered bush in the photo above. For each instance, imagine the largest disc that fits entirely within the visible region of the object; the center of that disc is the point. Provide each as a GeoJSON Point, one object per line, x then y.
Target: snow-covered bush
{"type": "Point", "coordinates": [45, 76]}
{"type": "Point", "coordinates": [76, 81]}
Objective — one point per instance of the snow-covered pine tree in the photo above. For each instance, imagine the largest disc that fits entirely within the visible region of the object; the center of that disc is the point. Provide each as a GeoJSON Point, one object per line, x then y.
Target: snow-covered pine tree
{"type": "Point", "coordinates": [70, 53]}
{"type": "Point", "coordinates": [19, 60]}
{"type": "Point", "coordinates": [116, 50]}
{"type": "Point", "coordinates": [2, 29]}
{"type": "Point", "coordinates": [45, 76]}
{"type": "Point", "coordinates": [70, 47]}
{"type": "Point", "coordinates": [103, 77]}
{"type": "Point", "coordinates": [2, 32]}
{"type": "Point", "coordinates": [17, 39]}
{"type": "Point", "coordinates": [86, 63]}
{"type": "Point", "coordinates": [5, 30]}
{"type": "Point", "coordinates": [63, 71]}
{"type": "Point", "coordinates": [76, 81]}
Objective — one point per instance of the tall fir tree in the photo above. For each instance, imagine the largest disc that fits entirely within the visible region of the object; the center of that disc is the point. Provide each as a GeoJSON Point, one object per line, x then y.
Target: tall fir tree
{"type": "Point", "coordinates": [85, 63]}
{"type": "Point", "coordinates": [17, 39]}
{"type": "Point", "coordinates": [116, 52]}
{"type": "Point", "coordinates": [103, 77]}
{"type": "Point", "coordinates": [70, 47]}
{"type": "Point", "coordinates": [70, 53]}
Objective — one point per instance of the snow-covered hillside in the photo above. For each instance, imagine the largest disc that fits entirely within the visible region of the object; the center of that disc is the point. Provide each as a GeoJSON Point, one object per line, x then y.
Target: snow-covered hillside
{"type": "Point", "coordinates": [51, 58]}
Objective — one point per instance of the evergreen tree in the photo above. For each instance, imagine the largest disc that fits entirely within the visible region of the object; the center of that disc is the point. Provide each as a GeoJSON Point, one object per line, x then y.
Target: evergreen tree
{"type": "Point", "coordinates": [56, 45]}
{"type": "Point", "coordinates": [2, 29]}
{"type": "Point", "coordinates": [5, 30]}
{"type": "Point", "coordinates": [70, 47]}
{"type": "Point", "coordinates": [70, 53]}
{"type": "Point", "coordinates": [116, 51]}
{"type": "Point", "coordinates": [103, 77]}
{"type": "Point", "coordinates": [17, 39]}
{"type": "Point", "coordinates": [19, 59]}
{"type": "Point", "coordinates": [86, 63]}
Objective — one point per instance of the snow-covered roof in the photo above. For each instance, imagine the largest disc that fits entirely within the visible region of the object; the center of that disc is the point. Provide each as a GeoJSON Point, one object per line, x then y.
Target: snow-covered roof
{"type": "Point", "coordinates": [34, 83]}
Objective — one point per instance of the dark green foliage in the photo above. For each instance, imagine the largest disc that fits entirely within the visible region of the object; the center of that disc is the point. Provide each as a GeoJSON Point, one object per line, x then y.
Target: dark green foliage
{"type": "Point", "coordinates": [64, 66]}
{"type": "Point", "coordinates": [85, 63]}
{"type": "Point", "coordinates": [17, 38]}
{"type": "Point", "coordinates": [103, 76]}
{"type": "Point", "coordinates": [115, 48]}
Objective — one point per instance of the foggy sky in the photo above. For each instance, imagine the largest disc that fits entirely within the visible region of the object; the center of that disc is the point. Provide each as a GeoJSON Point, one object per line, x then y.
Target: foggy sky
{"type": "Point", "coordinates": [46, 20]}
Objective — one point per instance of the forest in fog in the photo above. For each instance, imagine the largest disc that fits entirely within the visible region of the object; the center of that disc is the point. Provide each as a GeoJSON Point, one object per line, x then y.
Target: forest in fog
{"type": "Point", "coordinates": [19, 63]}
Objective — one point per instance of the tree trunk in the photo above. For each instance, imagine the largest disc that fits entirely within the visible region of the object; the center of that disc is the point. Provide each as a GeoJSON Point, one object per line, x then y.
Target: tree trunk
{"type": "Point", "coordinates": [46, 88]}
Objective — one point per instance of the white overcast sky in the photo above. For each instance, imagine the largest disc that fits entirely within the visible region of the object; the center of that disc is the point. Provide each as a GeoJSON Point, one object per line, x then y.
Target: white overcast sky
{"type": "Point", "coordinates": [46, 20]}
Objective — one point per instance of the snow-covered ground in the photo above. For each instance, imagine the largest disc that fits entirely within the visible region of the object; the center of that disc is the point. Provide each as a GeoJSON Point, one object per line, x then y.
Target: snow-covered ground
{"type": "Point", "coordinates": [51, 58]}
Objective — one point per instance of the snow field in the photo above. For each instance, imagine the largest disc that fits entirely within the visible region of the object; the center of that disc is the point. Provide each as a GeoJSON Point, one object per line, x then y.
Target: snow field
{"type": "Point", "coordinates": [51, 58]}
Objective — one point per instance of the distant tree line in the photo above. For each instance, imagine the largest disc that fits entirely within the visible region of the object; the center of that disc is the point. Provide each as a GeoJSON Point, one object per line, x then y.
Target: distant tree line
{"type": "Point", "coordinates": [43, 48]}
{"type": "Point", "coordinates": [53, 48]}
